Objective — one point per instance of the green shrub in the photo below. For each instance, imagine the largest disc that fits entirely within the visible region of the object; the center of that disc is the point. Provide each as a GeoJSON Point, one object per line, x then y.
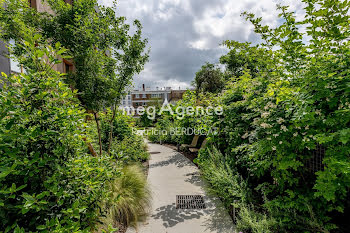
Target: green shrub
{"type": "Point", "coordinates": [169, 127]}
{"type": "Point", "coordinates": [227, 184]}
{"type": "Point", "coordinates": [127, 146]}
{"type": "Point", "coordinates": [144, 121]}
{"type": "Point", "coordinates": [289, 110]}
{"type": "Point", "coordinates": [131, 198]}
{"type": "Point", "coordinates": [249, 220]}
{"type": "Point", "coordinates": [162, 132]}
{"type": "Point", "coordinates": [48, 181]}
{"type": "Point", "coordinates": [130, 149]}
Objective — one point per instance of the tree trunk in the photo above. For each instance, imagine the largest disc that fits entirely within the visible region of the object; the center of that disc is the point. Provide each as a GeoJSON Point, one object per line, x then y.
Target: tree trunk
{"type": "Point", "coordinates": [111, 129]}
{"type": "Point", "coordinates": [91, 148]}
{"type": "Point", "coordinates": [98, 131]}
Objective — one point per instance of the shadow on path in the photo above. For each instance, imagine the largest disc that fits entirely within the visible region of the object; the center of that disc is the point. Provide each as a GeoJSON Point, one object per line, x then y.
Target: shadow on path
{"type": "Point", "coordinates": [176, 158]}
{"type": "Point", "coordinates": [194, 178]}
{"type": "Point", "coordinates": [172, 216]}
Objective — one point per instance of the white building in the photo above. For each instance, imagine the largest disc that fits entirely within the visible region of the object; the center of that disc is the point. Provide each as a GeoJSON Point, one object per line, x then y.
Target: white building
{"type": "Point", "coordinates": [126, 101]}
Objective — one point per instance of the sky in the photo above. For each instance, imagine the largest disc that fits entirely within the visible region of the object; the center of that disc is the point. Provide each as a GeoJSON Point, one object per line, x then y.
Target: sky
{"type": "Point", "coordinates": [184, 34]}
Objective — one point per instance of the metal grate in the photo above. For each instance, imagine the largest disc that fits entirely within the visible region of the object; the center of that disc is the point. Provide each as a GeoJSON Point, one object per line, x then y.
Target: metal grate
{"type": "Point", "coordinates": [190, 202]}
{"type": "Point", "coordinates": [315, 163]}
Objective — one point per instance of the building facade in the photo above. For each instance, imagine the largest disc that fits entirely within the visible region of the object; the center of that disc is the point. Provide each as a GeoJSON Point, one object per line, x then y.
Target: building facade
{"type": "Point", "coordinates": [147, 96]}
{"type": "Point", "coordinates": [126, 101]}
{"type": "Point", "coordinates": [5, 66]}
{"type": "Point", "coordinates": [176, 95]}
{"type": "Point", "coordinates": [4, 59]}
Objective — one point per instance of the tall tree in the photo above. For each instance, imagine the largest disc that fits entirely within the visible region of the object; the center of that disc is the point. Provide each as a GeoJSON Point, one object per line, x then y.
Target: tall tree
{"type": "Point", "coordinates": [105, 54]}
{"type": "Point", "coordinates": [209, 79]}
{"type": "Point", "coordinates": [245, 57]}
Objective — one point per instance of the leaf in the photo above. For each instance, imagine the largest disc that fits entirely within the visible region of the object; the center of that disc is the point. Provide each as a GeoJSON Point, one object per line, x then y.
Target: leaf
{"type": "Point", "coordinates": [43, 194]}
{"type": "Point", "coordinates": [28, 197]}
{"type": "Point", "coordinates": [41, 227]}
{"type": "Point", "coordinates": [344, 136]}
{"type": "Point", "coordinates": [24, 210]}
{"type": "Point", "coordinates": [5, 173]}
{"type": "Point", "coordinates": [21, 187]}
{"type": "Point", "coordinates": [3, 74]}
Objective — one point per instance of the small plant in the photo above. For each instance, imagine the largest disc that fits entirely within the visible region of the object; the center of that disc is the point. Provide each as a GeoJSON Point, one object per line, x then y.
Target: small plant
{"type": "Point", "coordinates": [249, 220]}
{"type": "Point", "coordinates": [130, 198]}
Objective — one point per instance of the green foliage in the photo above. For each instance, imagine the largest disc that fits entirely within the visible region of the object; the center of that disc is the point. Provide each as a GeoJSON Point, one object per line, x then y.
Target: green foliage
{"type": "Point", "coordinates": [253, 221]}
{"type": "Point", "coordinates": [90, 36]}
{"type": "Point", "coordinates": [225, 182]}
{"type": "Point", "coordinates": [245, 57]}
{"type": "Point", "coordinates": [121, 127]}
{"type": "Point", "coordinates": [130, 198]}
{"type": "Point", "coordinates": [278, 113]}
{"type": "Point", "coordinates": [145, 121]}
{"type": "Point", "coordinates": [126, 146]}
{"type": "Point", "coordinates": [48, 181]}
{"type": "Point", "coordinates": [151, 117]}
{"type": "Point", "coordinates": [209, 79]}
{"type": "Point", "coordinates": [130, 149]}
{"type": "Point", "coordinates": [105, 54]}
{"type": "Point", "coordinates": [187, 114]}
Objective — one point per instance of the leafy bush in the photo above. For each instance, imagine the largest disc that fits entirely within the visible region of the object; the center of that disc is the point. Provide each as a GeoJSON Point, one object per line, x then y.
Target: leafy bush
{"type": "Point", "coordinates": [47, 181]}
{"type": "Point", "coordinates": [130, 149]}
{"type": "Point", "coordinates": [144, 121]}
{"type": "Point", "coordinates": [162, 131]}
{"type": "Point", "coordinates": [233, 191]}
{"type": "Point", "coordinates": [252, 221]}
{"type": "Point", "coordinates": [282, 114]}
{"type": "Point", "coordinates": [169, 125]}
{"type": "Point", "coordinates": [126, 146]}
{"type": "Point", "coordinates": [229, 186]}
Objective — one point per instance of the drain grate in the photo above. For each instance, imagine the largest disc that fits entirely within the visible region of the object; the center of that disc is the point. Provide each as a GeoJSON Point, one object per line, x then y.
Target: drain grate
{"type": "Point", "coordinates": [154, 152]}
{"type": "Point", "coordinates": [190, 202]}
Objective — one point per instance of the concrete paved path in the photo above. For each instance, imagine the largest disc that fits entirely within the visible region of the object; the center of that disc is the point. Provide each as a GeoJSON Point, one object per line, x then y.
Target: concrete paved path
{"type": "Point", "coordinates": [171, 174]}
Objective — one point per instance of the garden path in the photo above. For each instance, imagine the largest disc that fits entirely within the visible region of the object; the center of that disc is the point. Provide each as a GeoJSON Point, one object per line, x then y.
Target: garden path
{"type": "Point", "coordinates": [171, 174]}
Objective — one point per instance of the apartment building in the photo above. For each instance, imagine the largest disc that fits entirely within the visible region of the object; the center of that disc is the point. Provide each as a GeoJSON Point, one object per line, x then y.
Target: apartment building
{"type": "Point", "coordinates": [146, 96]}
{"type": "Point", "coordinates": [126, 101]}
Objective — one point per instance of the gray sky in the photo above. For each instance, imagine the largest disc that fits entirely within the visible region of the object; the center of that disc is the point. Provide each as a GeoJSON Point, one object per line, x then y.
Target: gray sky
{"type": "Point", "coordinates": [184, 34]}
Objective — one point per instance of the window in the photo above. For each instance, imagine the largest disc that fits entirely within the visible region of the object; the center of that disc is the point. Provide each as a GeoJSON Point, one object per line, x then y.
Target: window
{"type": "Point", "coordinates": [68, 66]}
{"type": "Point", "coordinates": [144, 96]}
{"type": "Point", "coordinates": [137, 96]}
{"type": "Point", "coordinates": [156, 95]}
